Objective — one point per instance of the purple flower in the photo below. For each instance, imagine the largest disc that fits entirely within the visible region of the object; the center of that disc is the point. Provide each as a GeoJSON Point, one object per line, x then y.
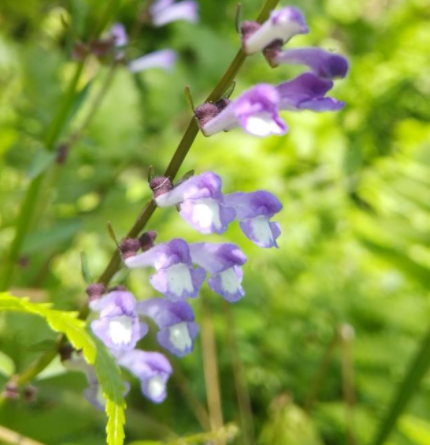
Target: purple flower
{"type": "Point", "coordinates": [323, 63]}
{"type": "Point", "coordinates": [255, 110]}
{"type": "Point", "coordinates": [119, 34]}
{"type": "Point", "coordinates": [175, 276]}
{"type": "Point", "coordinates": [201, 203]}
{"type": "Point", "coordinates": [307, 92]}
{"type": "Point", "coordinates": [254, 211]}
{"type": "Point", "coordinates": [223, 261]}
{"type": "Point", "coordinates": [281, 26]}
{"type": "Point", "coordinates": [176, 322]}
{"type": "Point", "coordinates": [93, 393]}
{"type": "Point", "coordinates": [118, 326]}
{"type": "Point", "coordinates": [152, 369]}
{"type": "Point", "coordinates": [164, 59]}
{"type": "Point", "coordinates": [166, 11]}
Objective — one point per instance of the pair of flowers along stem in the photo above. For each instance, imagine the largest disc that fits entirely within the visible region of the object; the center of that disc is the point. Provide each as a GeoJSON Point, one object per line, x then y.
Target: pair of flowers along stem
{"type": "Point", "coordinates": [180, 267]}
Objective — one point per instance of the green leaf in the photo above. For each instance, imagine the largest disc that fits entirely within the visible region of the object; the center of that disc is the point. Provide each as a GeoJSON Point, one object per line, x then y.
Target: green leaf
{"type": "Point", "coordinates": [417, 430]}
{"type": "Point", "coordinates": [417, 369]}
{"type": "Point", "coordinates": [66, 323]}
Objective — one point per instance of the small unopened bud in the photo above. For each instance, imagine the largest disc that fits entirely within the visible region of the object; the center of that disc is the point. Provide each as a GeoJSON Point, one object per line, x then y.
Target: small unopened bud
{"type": "Point", "coordinates": [11, 391]}
{"type": "Point", "coordinates": [102, 47]}
{"type": "Point", "coordinates": [66, 352]}
{"type": "Point", "coordinates": [62, 153]}
{"type": "Point", "coordinates": [206, 112]}
{"type": "Point", "coordinates": [248, 28]}
{"type": "Point", "coordinates": [147, 240]}
{"type": "Point", "coordinates": [95, 291]}
{"type": "Point", "coordinates": [160, 185]}
{"type": "Point", "coordinates": [129, 247]}
{"type": "Point", "coordinates": [272, 51]}
{"type": "Point", "coordinates": [30, 393]}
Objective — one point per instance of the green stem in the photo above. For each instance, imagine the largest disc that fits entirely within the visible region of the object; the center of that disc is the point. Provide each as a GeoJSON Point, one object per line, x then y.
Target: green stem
{"type": "Point", "coordinates": [171, 171]}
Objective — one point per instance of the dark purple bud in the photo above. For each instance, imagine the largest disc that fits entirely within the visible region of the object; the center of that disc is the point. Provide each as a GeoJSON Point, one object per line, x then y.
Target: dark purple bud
{"type": "Point", "coordinates": [272, 51]}
{"type": "Point", "coordinates": [160, 185]}
{"type": "Point", "coordinates": [248, 28]}
{"type": "Point", "coordinates": [66, 351]}
{"type": "Point", "coordinates": [11, 391]}
{"type": "Point", "coordinates": [206, 112]}
{"type": "Point", "coordinates": [129, 247]}
{"type": "Point", "coordinates": [30, 393]}
{"type": "Point", "coordinates": [95, 291]}
{"type": "Point", "coordinates": [147, 240]}
{"type": "Point", "coordinates": [62, 153]}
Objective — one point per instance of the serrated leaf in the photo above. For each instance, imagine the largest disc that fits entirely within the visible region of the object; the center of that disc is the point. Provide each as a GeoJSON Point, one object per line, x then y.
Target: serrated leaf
{"type": "Point", "coordinates": [115, 425]}
{"type": "Point", "coordinates": [66, 323]}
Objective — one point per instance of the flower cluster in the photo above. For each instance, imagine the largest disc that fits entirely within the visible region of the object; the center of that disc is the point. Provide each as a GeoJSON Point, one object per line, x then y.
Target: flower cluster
{"type": "Point", "coordinates": [256, 111]}
{"type": "Point", "coordinates": [180, 269]}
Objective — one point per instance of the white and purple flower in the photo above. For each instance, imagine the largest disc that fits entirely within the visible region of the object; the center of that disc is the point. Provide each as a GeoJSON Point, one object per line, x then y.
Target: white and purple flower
{"type": "Point", "coordinates": [254, 211]}
{"type": "Point", "coordinates": [175, 277]}
{"type": "Point", "coordinates": [324, 64]}
{"type": "Point", "coordinates": [255, 111]}
{"type": "Point", "coordinates": [223, 261]}
{"type": "Point", "coordinates": [167, 11]}
{"type": "Point", "coordinates": [201, 203]}
{"type": "Point", "coordinates": [164, 59]}
{"type": "Point", "coordinates": [307, 92]}
{"type": "Point", "coordinates": [177, 328]}
{"type": "Point", "coordinates": [118, 325]}
{"type": "Point", "coordinates": [281, 26]}
{"type": "Point", "coordinates": [152, 369]}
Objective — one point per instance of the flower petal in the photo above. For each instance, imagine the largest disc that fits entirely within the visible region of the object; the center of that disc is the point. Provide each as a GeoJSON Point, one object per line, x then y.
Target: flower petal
{"type": "Point", "coordinates": [261, 231]}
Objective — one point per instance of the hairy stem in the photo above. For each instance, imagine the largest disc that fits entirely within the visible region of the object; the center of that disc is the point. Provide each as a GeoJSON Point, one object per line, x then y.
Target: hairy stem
{"type": "Point", "coordinates": [171, 171]}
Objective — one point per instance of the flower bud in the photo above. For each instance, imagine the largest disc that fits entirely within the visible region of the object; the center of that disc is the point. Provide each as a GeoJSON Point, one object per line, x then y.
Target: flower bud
{"type": "Point", "coordinates": [160, 185]}
{"type": "Point", "coordinates": [147, 240]}
{"type": "Point", "coordinates": [95, 291]}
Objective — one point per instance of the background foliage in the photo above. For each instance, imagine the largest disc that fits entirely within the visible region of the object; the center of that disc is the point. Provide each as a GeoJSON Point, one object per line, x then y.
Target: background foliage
{"type": "Point", "coordinates": [331, 319]}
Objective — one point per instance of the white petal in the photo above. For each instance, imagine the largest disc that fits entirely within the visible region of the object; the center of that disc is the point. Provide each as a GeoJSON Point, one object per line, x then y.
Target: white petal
{"type": "Point", "coordinates": [270, 32]}
{"type": "Point", "coordinates": [120, 330]}
{"type": "Point", "coordinates": [179, 279]}
{"type": "Point", "coordinates": [205, 214]}
{"type": "Point", "coordinates": [262, 231]}
{"type": "Point", "coordinates": [180, 337]}
{"type": "Point", "coordinates": [229, 281]}
{"type": "Point", "coordinates": [262, 124]}
{"type": "Point", "coordinates": [156, 387]}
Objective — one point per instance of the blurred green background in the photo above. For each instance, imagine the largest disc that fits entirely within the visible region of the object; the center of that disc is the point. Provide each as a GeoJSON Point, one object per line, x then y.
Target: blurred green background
{"type": "Point", "coordinates": [330, 319]}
